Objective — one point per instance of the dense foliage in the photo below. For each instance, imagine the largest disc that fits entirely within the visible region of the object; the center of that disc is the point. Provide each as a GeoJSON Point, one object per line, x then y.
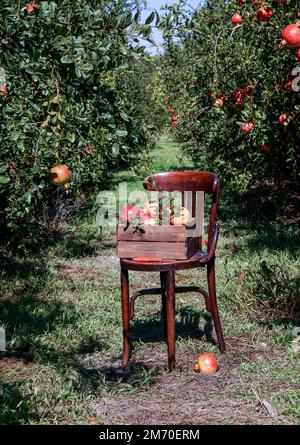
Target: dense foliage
{"type": "Point", "coordinates": [226, 75]}
{"type": "Point", "coordinates": [144, 87]}
{"type": "Point", "coordinates": [62, 101]}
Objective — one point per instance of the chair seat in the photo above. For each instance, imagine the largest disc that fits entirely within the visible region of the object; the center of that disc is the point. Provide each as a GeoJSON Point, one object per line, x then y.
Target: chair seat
{"type": "Point", "coordinates": [196, 260]}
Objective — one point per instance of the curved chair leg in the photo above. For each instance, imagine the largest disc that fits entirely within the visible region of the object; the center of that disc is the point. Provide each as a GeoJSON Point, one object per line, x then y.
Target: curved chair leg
{"type": "Point", "coordinates": [214, 305]}
{"type": "Point", "coordinates": [163, 282]}
{"type": "Point", "coordinates": [170, 309]}
{"type": "Point", "coordinates": [125, 316]}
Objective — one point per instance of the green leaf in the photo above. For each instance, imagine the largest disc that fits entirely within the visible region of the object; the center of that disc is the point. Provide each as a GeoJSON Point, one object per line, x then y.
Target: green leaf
{"type": "Point", "coordinates": [87, 67]}
{"type": "Point", "coordinates": [150, 18]}
{"type": "Point", "coordinates": [15, 135]}
{"type": "Point", "coordinates": [3, 167]}
{"type": "Point", "coordinates": [56, 100]}
{"type": "Point", "coordinates": [71, 137]}
{"type": "Point", "coordinates": [66, 59]}
{"type": "Point", "coordinates": [28, 197]}
{"type": "Point", "coordinates": [4, 180]}
{"type": "Point", "coordinates": [121, 133]}
{"type": "Point", "coordinates": [124, 116]}
{"type": "Point", "coordinates": [115, 149]}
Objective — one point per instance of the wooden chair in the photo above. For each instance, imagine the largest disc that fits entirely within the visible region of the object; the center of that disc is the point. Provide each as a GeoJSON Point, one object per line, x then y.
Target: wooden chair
{"type": "Point", "coordinates": [183, 181]}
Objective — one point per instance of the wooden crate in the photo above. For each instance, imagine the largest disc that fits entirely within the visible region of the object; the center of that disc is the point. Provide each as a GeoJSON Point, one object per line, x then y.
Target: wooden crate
{"type": "Point", "coordinates": [157, 241]}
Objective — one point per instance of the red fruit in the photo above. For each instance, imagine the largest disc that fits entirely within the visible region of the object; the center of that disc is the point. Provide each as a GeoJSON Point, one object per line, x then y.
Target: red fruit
{"type": "Point", "coordinates": [238, 94]}
{"type": "Point", "coordinates": [3, 91]}
{"type": "Point", "coordinates": [247, 127]}
{"type": "Point", "coordinates": [149, 221]}
{"type": "Point", "coordinates": [130, 212]}
{"type": "Point", "coordinates": [248, 91]}
{"type": "Point", "coordinates": [236, 19]}
{"type": "Point", "coordinates": [89, 149]}
{"type": "Point", "coordinates": [265, 149]}
{"type": "Point", "coordinates": [288, 85]}
{"type": "Point", "coordinates": [32, 7]}
{"type": "Point", "coordinates": [264, 14]}
{"type": "Point", "coordinates": [283, 118]}
{"type": "Point", "coordinates": [218, 103]}
{"type": "Point", "coordinates": [207, 362]}
{"type": "Point", "coordinates": [239, 104]}
{"type": "Point", "coordinates": [170, 110]}
{"type": "Point", "coordinates": [60, 174]}
{"type": "Point", "coordinates": [206, 242]}
{"type": "Point", "coordinates": [291, 35]}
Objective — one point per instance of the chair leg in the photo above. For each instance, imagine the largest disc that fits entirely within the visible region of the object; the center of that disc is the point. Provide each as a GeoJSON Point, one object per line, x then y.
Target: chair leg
{"type": "Point", "coordinates": [214, 305]}
{"type": "Point", "coordinates": [170, 309]}
{"type": "Point", "coordinates": [125, 316]}
{"type": "Point", "coordinates": [163, 283]}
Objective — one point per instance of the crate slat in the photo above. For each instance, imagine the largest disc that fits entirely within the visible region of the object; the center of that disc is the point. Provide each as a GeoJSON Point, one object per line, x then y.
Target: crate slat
{"type": "Point", "coordinates": [155, 233]}
{"type": "Point", "coordinates": [158, 241]}
{"type": "Point", "coordinates": [152, 250]}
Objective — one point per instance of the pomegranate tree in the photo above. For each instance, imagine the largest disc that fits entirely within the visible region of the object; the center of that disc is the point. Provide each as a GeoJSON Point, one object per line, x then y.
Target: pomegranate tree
{"type": "Point", "coordinates": [253, 133]}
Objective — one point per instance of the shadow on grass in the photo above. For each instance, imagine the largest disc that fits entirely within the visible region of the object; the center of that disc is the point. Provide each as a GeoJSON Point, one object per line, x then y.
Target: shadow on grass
{"type": "Point", "coordinates": [79, 248]}
{"type": "Point", "coordinates": [268, 216]}
{"type": "Point", "coordinates": [10, 398]}
{"type": "Point", "coordinates": [28, 315]}
{"type": "Point", "coordinates": [118, 379]}
{"type": "Point", "coordinates": [187, 326]}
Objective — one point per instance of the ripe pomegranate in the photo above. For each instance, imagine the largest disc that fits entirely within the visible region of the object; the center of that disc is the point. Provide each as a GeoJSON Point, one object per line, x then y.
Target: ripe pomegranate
{"type": "Point", "coordinates": [238, 94]}
{"type": "Point", "coordinates": [265, 149]}
{"type": "Point", "coordinates": [175, 120]}
{"type": "Point", "coordinates": [170, 110]}
{"type": "Point", "coordinates": [207, 362]}
{"type": "Point", "coordinates": [264, 14]}
{"type": "Point", "coordinates": [150, 209]}
{"type": "Point", "coordinates": [130, 212]}
{"type": "Point", "coordinates": [247, 127]}
{"type": "Point", "coordinates": [89, 149]}
{"type": "Point", "coordinates": [183, 218]}
{"type": "Point", "coordinates": [3, 91]}
{"type": "Point", "coordinates": [236, 19]}
{"type": "Point", "coordinates": [31, 7]}
{"type": "Point", "coordinates": [149, 221]}
{"type": "Point", "coordinates": [291, 36]}
{"type": "Point", "coordinates": [218, 103]}
{"type": "Point", "coordinates": [60, 174]}
{"type": "Point", "coordinates": [248, 91]}
{"type": "Point", "coordinates": [283, 118]}
{"type": "Point", "coordinates": [288, 85]}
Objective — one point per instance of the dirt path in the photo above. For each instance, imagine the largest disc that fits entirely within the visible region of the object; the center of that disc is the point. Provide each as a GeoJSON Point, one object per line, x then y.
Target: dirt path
{"type": "Point", "coordinates": [185, 397]}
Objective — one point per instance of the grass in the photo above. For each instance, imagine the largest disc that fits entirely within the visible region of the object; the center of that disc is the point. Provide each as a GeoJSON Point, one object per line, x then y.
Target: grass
{"type": "Point", "coordinates": [61, 311]}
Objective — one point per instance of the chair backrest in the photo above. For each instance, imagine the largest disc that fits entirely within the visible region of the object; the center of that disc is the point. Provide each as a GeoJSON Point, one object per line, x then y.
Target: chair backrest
{"type": "Point", "coordinates": [190, 182]}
